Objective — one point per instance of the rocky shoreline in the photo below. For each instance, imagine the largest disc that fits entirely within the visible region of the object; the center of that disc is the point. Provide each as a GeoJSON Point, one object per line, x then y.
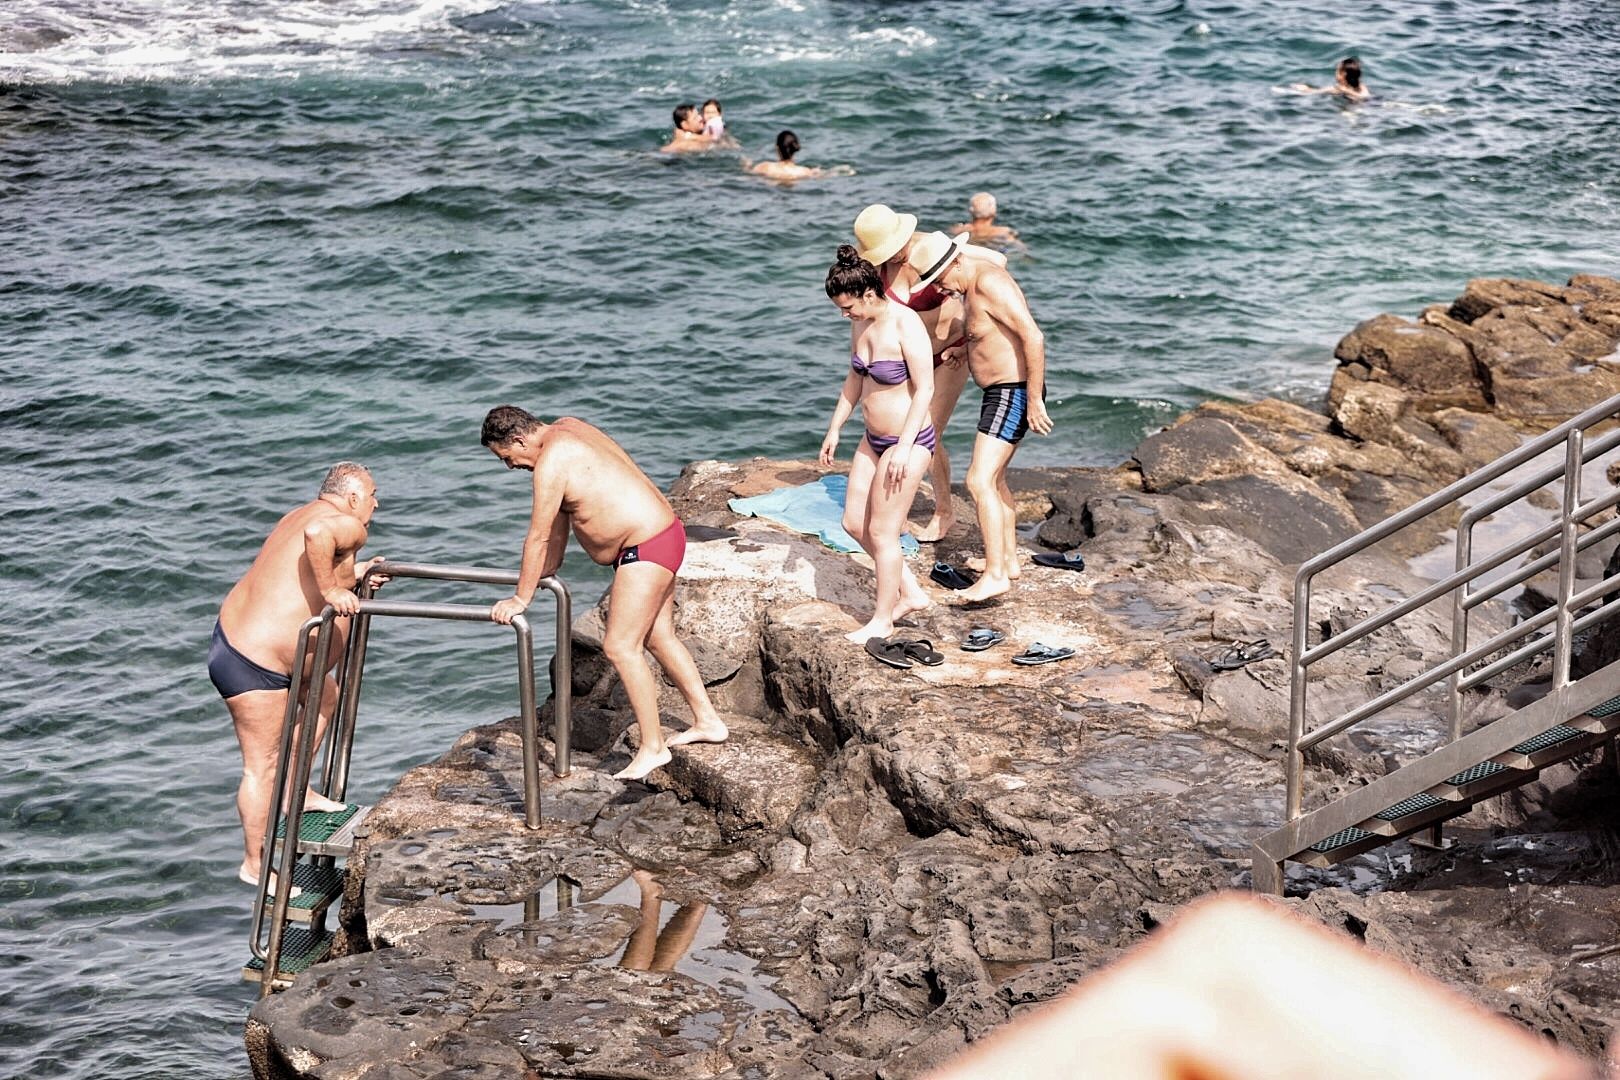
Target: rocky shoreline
{"type": "Point", "coordinates": [882, 866]}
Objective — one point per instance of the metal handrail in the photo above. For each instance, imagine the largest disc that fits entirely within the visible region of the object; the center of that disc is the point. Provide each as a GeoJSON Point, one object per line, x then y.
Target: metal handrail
{"type": "Point", "coordinates": [1577, 452]}
{"type": "Point", "coordinates": [307, 702]}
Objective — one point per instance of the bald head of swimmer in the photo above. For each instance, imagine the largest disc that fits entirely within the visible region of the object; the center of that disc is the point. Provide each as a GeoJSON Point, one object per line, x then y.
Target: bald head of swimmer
{"type": "Point", "coordinates": [854, 285]}
{"type": "Point", "coordinates": [349, 487]}
{"type": "Point", "coordinates": [982, 207]}
{"type": "Point", "coordinates": [513, 435]}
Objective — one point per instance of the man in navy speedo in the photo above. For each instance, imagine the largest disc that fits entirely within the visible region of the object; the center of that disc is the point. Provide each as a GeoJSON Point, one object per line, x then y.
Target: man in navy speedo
{"type": "Point", "coordinates": [1007, 356]}
{"type": "Point", "coordinates": [306, 563]}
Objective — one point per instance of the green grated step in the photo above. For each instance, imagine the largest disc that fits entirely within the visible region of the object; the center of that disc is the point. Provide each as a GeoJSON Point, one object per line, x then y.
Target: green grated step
{"type": "Point", "coordinates": [1608, 708]}
{"type": "Point", "coordinates": [1561, 733]}
{"type": "Point", "coordinates": [299, 949]}
{"type": "Point", "coordinates": [319, 825]}
{"type": "Point", "coordinates": [1409, 806]}
{"type": "Point", "coordinates": [320, 884]}
{"type": "Point", "coordinates": [1342, 838]}
{"type": "Point", "coordinates": [1476, 772]}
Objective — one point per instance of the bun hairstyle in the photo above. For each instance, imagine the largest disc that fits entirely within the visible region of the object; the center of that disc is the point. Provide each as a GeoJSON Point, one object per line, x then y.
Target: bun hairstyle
{"type": "Point", "coordinates": [852, 275]}
{"type": "Point", "coordinates": [787, 144]}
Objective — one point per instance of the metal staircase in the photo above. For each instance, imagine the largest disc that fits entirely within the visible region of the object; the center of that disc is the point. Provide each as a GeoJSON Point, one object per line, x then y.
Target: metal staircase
{"type": "Point", "coordinates": [298, 936]}
{"type": "Point", "coordinates": [1574, 716]}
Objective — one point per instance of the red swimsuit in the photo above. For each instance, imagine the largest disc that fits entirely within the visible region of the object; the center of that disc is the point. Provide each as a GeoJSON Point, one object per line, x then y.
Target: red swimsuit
{"type": "Point", "coordinates": [927, 298]}
{"type": "Point", "coordinates": [667, 549]}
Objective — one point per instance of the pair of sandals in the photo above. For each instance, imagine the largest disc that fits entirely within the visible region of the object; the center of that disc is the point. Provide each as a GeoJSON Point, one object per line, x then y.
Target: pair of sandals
{"type": "Point", "coordinates": [903, 653]}
{"type": "Point", "coordinates": [951, 577]}
{"type": "Point", "coordinates": [981, 638]}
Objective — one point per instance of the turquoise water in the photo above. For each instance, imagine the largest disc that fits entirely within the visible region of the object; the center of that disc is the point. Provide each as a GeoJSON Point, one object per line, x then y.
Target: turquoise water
{"type": "Point", "coordinates": [241, 240]}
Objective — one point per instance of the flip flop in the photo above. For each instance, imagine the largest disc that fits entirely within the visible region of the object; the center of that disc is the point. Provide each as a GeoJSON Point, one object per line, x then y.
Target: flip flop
{"type": "Point", "coordinates": [981, 638]}
{"type": "Point", "coordinates": [888, 652]}
{"type": "Point", "coordinates": [1240, 653]}
{"type": "Point", "coordinates": [1060, 560]}
{"type": "Point", "coordinates": [950, 577]}
{"type": "Point", "coordinates": [1042, 654]}
{"type": "Point", "coordinates": [920, 649]}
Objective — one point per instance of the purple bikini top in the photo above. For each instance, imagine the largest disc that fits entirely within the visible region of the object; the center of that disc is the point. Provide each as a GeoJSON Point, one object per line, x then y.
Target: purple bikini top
{"type": "Point", "coordinates": [887, 372]}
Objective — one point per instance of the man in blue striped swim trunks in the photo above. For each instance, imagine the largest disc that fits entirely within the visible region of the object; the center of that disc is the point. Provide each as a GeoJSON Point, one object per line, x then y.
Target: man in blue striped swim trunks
{"type": "Point", "coordinates": [1007, 356]}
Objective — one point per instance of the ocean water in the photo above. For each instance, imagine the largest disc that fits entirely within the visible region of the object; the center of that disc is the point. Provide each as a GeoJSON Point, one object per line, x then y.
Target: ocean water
{"type": "Point", "coordinates": [240, 240]}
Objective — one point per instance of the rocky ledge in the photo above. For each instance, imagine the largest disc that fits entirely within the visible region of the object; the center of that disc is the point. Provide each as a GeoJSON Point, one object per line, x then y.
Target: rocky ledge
{"type": "Point", "coordinates": [884, 865]}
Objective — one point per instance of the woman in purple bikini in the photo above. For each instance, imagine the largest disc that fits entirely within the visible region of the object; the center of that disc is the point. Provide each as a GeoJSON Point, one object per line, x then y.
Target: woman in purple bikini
{"type": "Point", "coordinates": [891, 377]}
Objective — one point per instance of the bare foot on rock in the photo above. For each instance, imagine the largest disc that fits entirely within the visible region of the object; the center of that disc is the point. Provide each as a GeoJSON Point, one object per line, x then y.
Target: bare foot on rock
{"type": "Point", "coordinates": [934, 529]}
{"type": "Point", "coordinates": [1012, 570]}
{"type": "Point", "coordinates": [988, 586]}
{"type": "Point", "coordinates": [873, 629]}
{"type": "Point", "coordinates": [643, 763]}
{"type": "Point", "coordinates": [708, 731]}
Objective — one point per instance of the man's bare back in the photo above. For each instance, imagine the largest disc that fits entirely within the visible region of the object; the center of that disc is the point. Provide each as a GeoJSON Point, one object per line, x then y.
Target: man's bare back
{"type": "Point", "coordinates": [262, 613]}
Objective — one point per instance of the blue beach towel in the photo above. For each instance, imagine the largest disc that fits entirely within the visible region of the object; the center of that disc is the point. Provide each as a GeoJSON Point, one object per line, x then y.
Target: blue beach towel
{"type": "Point", "coordinates": [816, 508]}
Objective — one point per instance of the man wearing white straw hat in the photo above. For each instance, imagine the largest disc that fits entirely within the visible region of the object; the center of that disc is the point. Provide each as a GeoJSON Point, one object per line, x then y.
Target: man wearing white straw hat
{"type": "Point", "coordinates": [884, 238]}
{"type": "Point", "coordinates": [1007, 357]}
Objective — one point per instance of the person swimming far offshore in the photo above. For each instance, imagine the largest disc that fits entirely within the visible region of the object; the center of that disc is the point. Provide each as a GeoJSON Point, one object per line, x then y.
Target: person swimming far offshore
{"type": "Point", "coordinates": [584, 480]}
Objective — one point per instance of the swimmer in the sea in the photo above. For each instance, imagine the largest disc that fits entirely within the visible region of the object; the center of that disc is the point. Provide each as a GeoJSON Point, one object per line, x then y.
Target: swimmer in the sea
{"type": "Point", "coordinates": [982, 229]}
{"type": "Point", "coordinates": [785, 169]}
{"type": "Point", "coordinates": [714, 124]}
{"type": "Point", "coordinates": [1346, 82]}
{"type": "Point", "coordinates": [688, 134]}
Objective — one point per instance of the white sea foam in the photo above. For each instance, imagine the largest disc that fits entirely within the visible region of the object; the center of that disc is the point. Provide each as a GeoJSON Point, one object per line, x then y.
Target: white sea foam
{"type": "Point", "coordinates": [116, 40]}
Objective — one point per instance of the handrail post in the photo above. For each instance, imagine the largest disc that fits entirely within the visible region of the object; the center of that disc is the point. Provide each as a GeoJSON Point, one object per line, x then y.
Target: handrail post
{"type": "Point", "coordinates": [316, 689]}
{"type": "Point", "coordinates": [530, 722]}
{"type": "Point", "coordinates": [562, 690]}
{"type": "Point", "coordinates": [1563, 643]}
{"type": "Point", "coordinates": [348, 705]}
{"type": "Point", "coordinates": [1295, 767]}
{"type": "Point", "coordinates": [1459, 626]}
{"type": "Point", "coordinates": [289, 722]}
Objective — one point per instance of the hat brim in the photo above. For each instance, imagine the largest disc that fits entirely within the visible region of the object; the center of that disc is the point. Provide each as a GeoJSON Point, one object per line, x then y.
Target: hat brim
{"type": "Point", "coordinates": [958, 242]}
{"type": "Point", "coordinates": [887, 250]}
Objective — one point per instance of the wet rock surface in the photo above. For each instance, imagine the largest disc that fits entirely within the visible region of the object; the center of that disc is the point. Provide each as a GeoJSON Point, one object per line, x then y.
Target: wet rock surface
{"type": "Point", "coordinates": [884, 865]}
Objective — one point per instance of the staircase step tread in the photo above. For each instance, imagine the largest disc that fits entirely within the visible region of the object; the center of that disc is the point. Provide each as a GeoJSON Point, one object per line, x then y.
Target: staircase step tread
{"type": "Point", "coordinates": [320, 885]}
{"type": "Point", "coordinates": [1608, 708]}
{"type": "Point", "coordinates": [1342, 838]}
{"type": "Point", "coordinates": [1409, 806]}
{"type": "Point", "coordinates": [1475, 772]}
{"type": "Point", "coordinates": [319, 825]}
{"type": "Point", "coordinates": [1560, 733]}
{"type": "Point", "coordinates": [299, 950]}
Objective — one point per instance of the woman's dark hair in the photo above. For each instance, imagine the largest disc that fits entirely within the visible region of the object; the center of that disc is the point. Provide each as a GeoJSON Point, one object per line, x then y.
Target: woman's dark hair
{"type": "Point", "coordinates": [1350, 68]}
{"type": "Point", "coordinates": [852, 275]}
{"type": "Point", "coordinates": [787, 144]}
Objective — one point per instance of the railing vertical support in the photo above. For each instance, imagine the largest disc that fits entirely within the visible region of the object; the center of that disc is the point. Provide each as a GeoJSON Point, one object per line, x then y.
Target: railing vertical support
{"type": "Point", "coordinates": [315, 691]}
{"type": "Point", "coordinates": [562, 690]}
{"type": "Point", "coordinates": [1459, 625]}
{"type": "Point", "coordinates": [1294, 768]}
{"type": "Point", "coordinates": [1563, 644]}
{"type": "Point", "coordinates": [530, 722]}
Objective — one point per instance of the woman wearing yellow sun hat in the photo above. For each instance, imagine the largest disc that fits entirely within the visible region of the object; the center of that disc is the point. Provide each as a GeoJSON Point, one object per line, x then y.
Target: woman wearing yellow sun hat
{"type": "Point", "coordinates": [883, 238]}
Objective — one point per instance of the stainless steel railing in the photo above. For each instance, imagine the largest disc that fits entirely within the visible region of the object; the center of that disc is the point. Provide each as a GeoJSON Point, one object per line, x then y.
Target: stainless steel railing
{"type": "Point", "coordinates": [305, 694]}
{"type": "Point", "coordinates": [1565, 615]}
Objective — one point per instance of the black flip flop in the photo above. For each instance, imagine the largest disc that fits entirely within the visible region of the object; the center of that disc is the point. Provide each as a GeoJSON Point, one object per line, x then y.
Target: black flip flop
{"type": "Point", "coordinates": [949, 576]}
{"type": "Point", "coordinates": [981, 638]}
{"type": "Point", "coordinates": [1060, 560]}
{"type": "Point", "coordinates": [888, 652]}
{"type": "Point", "coordinates": [1239, 653]}
{"type": "Point", "coordinates": [921, 650]}
{"type": "Point", "coordinates": [1042, 654]}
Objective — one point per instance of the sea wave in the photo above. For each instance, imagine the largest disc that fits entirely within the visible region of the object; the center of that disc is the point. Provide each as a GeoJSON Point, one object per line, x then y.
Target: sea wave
{"type": "Point", "coordinates": [123, 40]}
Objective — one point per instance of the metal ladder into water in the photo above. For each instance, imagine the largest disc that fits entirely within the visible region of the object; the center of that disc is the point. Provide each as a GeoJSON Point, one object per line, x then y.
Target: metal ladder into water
{"type": "Point", "coordinates": [298, 936]}
{"type": "Point", "coordinates": [1574, 716]}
